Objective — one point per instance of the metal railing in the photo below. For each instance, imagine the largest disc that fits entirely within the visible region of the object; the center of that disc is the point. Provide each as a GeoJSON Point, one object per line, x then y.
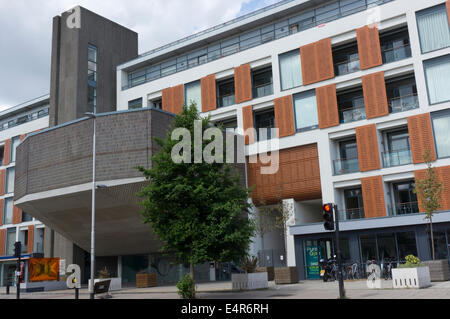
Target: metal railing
{"type": "Point", "coordinates": [404, 208]}
{"type": "Point", "coordinates": [352, 114]}
{"type": "Point", "coordinates": [347, 67]}
{"type": "Point", "coordinates": [352, 213]}
{"type": "Point", "coordinates": [397, 158]}
{"type": "Point", "coordinates": [262, 90]}
{"type": "Point", "coordinates": [404, 103]}
{"type": "Point", "coordinates": [346, 166]}
{"type": "Point", "coordinates": [224, 48]}
{"type": "Point", "coordinates": [396, 54]}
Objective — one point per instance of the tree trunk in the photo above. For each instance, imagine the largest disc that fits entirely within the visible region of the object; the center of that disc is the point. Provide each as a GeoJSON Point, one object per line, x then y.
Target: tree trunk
{"type": "Point", "coordinates": [432, 238]}
{"type": "Point", "coordinates": [191, 271]}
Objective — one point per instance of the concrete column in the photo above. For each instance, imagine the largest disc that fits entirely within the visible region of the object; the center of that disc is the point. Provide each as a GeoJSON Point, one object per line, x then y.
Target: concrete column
{"type": "Point", "coordinates": [289, 207]}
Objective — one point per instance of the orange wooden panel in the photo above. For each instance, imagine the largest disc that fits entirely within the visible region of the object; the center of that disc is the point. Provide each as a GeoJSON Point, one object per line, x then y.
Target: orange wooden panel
{"type": "Point", "coordinates": [298, 177]}
{"type": "Point", "coordinates": [375, 97]}
{"type": "Point", "coordinates": [30, 243]}
{"type": "Point", "coordinates": [17, 215]}
{"type": "Point", "coordinates": [444, 176]}
{"type": "Point", "coordinates": [173, 99]}
{"type": "Point", "coordinates": [243, 83]}
{"type": "Point", "coordinates": [7, 152]}
{"type": "Point", "coordinates": [2, 182]}
{"type": "Point", "coordinates": [421, 137]}
{"type": "Point", "coordinates": [247, 115]}
{"type": "Point", "coordinates": [1, 212]}
{"type": "Point", "coordinates": [2, 242]}
{"type": "Point", "coordinates": [367, 143]}
{"type": "Point", "coordinates": [284, 116]}
{"type": "Point", "coordinates": [167, 100]}
{"type": "Point", "coordinates": [447, 4]}
{"type": "Point", "coordinates": [327, 107]}
{"type": "Point", "coordinates": [373, 197]}
{"type": "Point", "coordinates": [209, 100]}
{"type": "Point", "coordinates": [317, 61]}
{"type": "Point", "coordinates": [369, 47]}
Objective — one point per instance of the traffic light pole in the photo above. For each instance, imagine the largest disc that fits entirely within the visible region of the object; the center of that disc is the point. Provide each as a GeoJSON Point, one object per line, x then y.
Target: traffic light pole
{"type": "Point", "coordinates": [339, 260]}
{"type": "Point", "coordinates": [18, 278]}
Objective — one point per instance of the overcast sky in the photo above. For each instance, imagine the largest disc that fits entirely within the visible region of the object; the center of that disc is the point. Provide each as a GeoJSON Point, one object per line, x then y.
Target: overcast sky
{"type": "Point", "coordinates": [26, 32]}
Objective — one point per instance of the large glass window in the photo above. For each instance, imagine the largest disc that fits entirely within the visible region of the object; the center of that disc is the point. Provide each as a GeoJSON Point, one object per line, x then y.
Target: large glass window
{"type": "Point", "coordinates": [441, 125]}
{"type": "Point", "coordinates": [290, 70]}
{"type": "Point", "coordinates": [437, 74]}
{"type": "Point", "coordinates": [92, 99]}
{"type": "Point", "coordinates": [92, 78]}
{"type": "Point", "coordinates": [225, 93]}
{"type": "Point", "coordinates": [354, 205]}
{"type": "Point", "coordinates": [9, 185]}
{"type": "Point", "coordinates": [405, 199]}
{"type": "Point", "coordinates": [8, 211]}
{"type": "Point", "coordinates": [264, 123]}
{"type": "Point", "coordinates": [368, 248]}
{"type": "Point", "coordinates": [348, 161]}
{"type": "Point", "coordinates": [262, 82]}
{"type": "Point", "coordinates": [433, 28]}
{"type": "Point", "coordinates": [15, 141]}
{"type": "Point", "coordinates": [406, 244]}
{"type": "Point", "coordinates": [346, 59]}
{"type": "Point", "coordinates": [135, 104]}
{"type": "Point", "coordinates": [402, 94]}
{"type": "Point", "coordinates": [305, 105]}
{"type": "Point", "coordinates": [193, 94]}
{"type": "Point", "coordinates": [398, 150]}
{"type": "Point", "coordinates": [395, 45]}
{"type": "Point", "coordinates": [387, 249]}
{"type": "Point", "coordinates": [351, 105]}
{"type": "Point", "coordinates": [10, 241]}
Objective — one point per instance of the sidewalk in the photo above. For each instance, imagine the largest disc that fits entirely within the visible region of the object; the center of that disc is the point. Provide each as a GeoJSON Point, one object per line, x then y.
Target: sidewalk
{"type": "Point", "coordinates": [222, 290]}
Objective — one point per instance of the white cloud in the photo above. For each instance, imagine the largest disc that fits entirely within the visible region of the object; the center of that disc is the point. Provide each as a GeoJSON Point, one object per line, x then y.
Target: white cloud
{"type": "Point", "coordinates": [26, 29]}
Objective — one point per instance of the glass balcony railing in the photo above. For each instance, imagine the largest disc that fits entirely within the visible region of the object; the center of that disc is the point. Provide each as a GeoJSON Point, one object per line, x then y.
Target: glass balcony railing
{"type": "Point", "coordinates": [396, 54]}
{"type": "Point", "coordinates": [353, 213]}
{"type": "Point", "coordinates": [404, 103]}
{"type": "Point", "coordinates": [346, 166]}
{"type": "Point", "coordinates": [225, 100]}
{"type": "Point", "coordinates": [346, 67]}
{"type": "Point", "coordinates": [404, 209]}
{"type": "Point", "coordinates": [262, 90]}
{"type": "Point", "coordinates": [352, 114]}
{"type": "Point", "coordinates": [397, 158]}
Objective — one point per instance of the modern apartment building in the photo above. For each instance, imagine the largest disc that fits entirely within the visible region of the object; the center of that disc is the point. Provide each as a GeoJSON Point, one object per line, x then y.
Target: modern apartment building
{"type": "Point", "coordinates": [359, 90]}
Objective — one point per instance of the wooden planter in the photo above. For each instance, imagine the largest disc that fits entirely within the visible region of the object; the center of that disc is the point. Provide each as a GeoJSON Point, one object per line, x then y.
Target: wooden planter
{"type": "Point", "coordinates": [252, 281]}
{"type": "Point", "coordinates": [146, 280]}
{"type": "Point", "coordinates": [269, 270]}
{"type": "Point", "coordinates": [439, 269]}
{"type": "Point", "coordinates": [286, 275]}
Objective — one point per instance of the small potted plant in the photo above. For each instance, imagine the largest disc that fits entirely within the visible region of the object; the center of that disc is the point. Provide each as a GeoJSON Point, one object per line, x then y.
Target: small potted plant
{"type": "Point", "coordinates": [412, 274]}
{"type": "Point", "coordinates": [250, 280]}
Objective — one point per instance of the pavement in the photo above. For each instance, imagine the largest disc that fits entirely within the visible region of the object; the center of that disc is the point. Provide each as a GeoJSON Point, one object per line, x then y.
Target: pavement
{"type": "Point", "coordinates": [222, 290]}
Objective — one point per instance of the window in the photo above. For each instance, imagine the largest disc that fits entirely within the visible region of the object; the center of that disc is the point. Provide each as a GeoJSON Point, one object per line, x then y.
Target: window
{"type": "Point", "coordinates": [8, 211]}
{"type": "Point", "coordinates": [351, 105]}
{"type": "Point", "coordinates": [354, 205]}
{"type": "Point", "coordinates": [92, 78]}
{"type": "Point", "coordinates": [406, 244]}
{"type": "Point", "coordinates": [368, 247]}
{"type": "Point", "coordinates": [10, 241]}
{"type": "Point", "coordinates": [9, 185]}
{"type": "Point", "coordinates": [441, 124]}
{"type": "Point", "coordinates": [348, 162]}
{"type": "Point", "coordinates": [402, 94]}
{"type": "Point", "coordinates": [433, 27]}
{"type": "Point", "coordinates": [42, 113]}
{"type": "Point", "coordinates": [39, 240]}
{"type": "Point", "coordinates": [346, 59]}
{"type": "Point", "coordinates": [26, 217]}
{"type": "Point", "coordinates": [264, 122]}
{"type": "Point", "coordinates": [305, 106]}
{"type": "Point", "coordinates": [155, 103]}
{"type": "Point", "coordinates": [397, 148]}
{"type": "Point", "coordinates": [387, 247]}
{"type": "Point", "coordinates": [92, 99]}
{"type": "Point", "coordinates": [437, 74]}
{"type": "Point", "coordinates": [2, 152]}
{"type": "Point", "coordinates": [15, 141]}
{"type": "Point", "coordinates": [405, 199]}
{"type": "Point", "coordinates": [225, 93]}
{"type": "Point", "coordinates": [135, 104]}
{"type": "Point", "coordinates": [395, 45]}
{"type": "Point", "coordinates": [232, 123]}
{"type": "Point", "coordinates": [262, 82]}
{"type": "Point", "coordinates": [23, 238]}
{"type": "Point", "coordinates": [193, 94]}
{"type": "Point", "coordinates": [290, 70]}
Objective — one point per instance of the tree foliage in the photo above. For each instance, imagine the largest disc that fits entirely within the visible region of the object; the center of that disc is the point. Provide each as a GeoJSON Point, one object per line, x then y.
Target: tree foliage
{"type": "Point", "coordinates": [199, 210]}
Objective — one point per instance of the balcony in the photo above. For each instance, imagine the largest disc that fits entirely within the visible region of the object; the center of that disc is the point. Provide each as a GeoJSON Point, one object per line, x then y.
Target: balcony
{"type": "Point", "coordinates": [225, 100]}
{"type": "Point", "coordinates": [262, 90]}
{"type": "Point", "coordinates": [404, 209]}
{"type": "Point", "coordinates": [396, 54]}
{"type": "Point", "coordinates": [397, 158]}
{"type": "Point", "coordinates": [352, 213]}
{"type": "Point", "coordinates": [346, 67]}
{"type": "Point", "coordinates": [346, 166]}
{"type": "Point", "coordinates": [352, 114]}
{"type": "Point", "coordinates": [403, 103]}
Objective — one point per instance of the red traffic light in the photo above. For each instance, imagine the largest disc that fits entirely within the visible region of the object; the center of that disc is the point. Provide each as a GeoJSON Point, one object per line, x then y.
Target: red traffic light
{"type": "Point", "coordinates": [327, 208]}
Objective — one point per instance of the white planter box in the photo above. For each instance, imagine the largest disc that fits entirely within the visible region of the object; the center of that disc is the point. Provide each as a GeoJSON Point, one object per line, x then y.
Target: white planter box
{"type": "Point", "coordinates": [251, 281]}
{"type": "Point", "coordinates": [116, 283]}
{"type": "Point", "coordinates": [411, 277]}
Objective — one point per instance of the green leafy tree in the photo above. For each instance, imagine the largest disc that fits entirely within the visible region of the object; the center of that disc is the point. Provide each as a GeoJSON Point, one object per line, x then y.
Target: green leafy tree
{"type": "Point", "coordinates": [199, 210]}
{"type": "Point", "coordinates": [429, 190]}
